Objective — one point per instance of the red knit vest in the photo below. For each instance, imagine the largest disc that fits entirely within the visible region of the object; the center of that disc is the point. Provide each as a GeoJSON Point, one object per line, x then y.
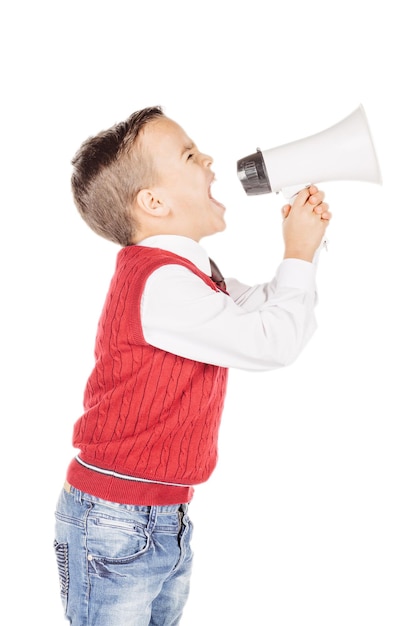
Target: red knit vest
{"type": "Point", "coordinates": [150, 427]}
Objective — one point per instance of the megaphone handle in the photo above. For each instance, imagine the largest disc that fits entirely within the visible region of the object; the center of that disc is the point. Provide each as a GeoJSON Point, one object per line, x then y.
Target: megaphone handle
{"type": "Point", "coordinates": [290, 193]}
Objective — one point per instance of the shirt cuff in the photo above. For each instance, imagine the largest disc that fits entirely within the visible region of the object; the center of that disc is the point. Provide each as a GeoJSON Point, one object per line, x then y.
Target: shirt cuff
{"type": "Point", "coordinates": [298, 274]}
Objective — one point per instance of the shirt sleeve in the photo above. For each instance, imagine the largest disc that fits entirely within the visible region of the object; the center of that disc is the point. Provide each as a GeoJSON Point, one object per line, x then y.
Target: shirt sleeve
{"type": "Point", "coordinates": [259, 327]}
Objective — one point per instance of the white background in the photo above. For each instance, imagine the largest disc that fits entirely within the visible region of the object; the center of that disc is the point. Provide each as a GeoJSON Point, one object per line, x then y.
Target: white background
{"type": "Point", "coordinates": [310, 516]}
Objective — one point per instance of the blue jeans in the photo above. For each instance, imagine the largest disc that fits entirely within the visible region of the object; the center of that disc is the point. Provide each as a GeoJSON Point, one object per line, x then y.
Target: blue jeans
{"type": "Point", "coordinates": [122, 565]}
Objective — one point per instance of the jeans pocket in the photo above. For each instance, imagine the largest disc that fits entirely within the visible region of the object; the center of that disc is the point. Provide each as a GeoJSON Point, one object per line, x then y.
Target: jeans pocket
{"type": "Point", "coordinates": [115, 540]}
{"type": "Point", "coordinates": [61, 553]}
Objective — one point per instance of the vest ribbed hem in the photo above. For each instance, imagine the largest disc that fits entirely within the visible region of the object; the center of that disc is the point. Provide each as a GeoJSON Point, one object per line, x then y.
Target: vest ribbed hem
{"type": "Point", "coordinates": [125, 491]}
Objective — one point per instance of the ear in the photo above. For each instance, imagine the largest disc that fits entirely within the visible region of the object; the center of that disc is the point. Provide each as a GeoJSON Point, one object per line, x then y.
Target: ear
{"type": "Point", "coordinates": [149, 202]}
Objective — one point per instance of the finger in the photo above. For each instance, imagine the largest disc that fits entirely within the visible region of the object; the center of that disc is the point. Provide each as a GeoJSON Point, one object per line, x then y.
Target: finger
{"type": "Point", "coordinates": [302, 197]}
{"type": "Point", "coordinates": [326, 216]}
{"type": "Point", "coordinates": [285, 210]}
{"type": "Point", "coordinates": [321, 208]}
{"type": "Point", "coordinates": [316, 198]}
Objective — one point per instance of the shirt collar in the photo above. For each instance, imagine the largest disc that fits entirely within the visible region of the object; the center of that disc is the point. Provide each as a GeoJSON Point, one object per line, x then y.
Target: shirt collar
{"type": "Point", "coordinates": [183, 246]}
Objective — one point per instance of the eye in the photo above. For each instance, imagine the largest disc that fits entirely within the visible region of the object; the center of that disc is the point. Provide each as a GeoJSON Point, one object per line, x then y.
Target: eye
{"type": "Point", "coordinates": [190, 156]}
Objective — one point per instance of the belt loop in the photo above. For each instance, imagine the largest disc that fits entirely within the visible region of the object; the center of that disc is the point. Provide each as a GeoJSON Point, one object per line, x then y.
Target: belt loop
{"type": "Point", "coordinates": [153, 514]}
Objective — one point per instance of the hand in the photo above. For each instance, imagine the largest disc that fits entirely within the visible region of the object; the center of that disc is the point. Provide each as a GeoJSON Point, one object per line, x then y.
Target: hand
{"type": "Point", "coordinates": [305, 224]}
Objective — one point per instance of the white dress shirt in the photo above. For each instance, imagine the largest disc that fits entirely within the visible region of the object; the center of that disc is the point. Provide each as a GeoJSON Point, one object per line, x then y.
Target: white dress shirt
{"type": "Point", "coordinates": [253, 328]}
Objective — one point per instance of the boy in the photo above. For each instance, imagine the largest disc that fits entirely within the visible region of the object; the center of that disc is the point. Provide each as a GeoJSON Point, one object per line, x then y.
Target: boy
{"type": "Point", "coordinates": [167, 335]}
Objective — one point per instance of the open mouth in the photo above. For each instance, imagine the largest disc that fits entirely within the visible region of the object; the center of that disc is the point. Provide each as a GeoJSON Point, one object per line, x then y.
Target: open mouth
{"type": "Point", "coordinates": [212, 198]}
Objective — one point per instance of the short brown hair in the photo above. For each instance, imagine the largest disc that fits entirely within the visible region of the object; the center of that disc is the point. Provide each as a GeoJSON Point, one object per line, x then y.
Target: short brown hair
{"type": "Point", "coordinates": [108, 174]}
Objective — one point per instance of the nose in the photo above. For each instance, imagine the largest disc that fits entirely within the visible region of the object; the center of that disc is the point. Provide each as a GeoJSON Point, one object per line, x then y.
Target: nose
{"type": "Point", "coordinates": [206, 160]}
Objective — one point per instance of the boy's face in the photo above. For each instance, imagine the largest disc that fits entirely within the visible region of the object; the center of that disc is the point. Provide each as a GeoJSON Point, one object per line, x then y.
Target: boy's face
{"type": "Point", "coordinates": [183, 181]}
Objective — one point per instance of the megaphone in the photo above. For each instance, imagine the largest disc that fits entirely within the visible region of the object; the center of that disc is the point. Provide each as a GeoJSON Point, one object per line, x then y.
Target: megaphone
{"type": "Point", "coordinates": [344, 151]}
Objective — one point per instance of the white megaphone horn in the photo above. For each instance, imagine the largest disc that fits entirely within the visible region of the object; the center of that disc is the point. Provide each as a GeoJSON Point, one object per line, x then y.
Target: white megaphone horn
{"type": "Point", "coordinates": [344, 151]}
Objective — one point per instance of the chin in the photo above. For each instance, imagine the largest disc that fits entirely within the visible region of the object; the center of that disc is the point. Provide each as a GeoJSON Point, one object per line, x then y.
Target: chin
{"type": "Point", "coordinates": [219, 226]}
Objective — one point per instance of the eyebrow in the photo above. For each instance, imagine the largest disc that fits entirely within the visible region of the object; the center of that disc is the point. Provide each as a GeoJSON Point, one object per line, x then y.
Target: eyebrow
{"type": "Point", "coordinates": [188, 147]}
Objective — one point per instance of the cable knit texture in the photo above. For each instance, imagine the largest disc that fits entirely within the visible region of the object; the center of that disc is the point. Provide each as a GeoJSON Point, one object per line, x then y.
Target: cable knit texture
{"type": "Point", "coordinates": [149, 414]}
